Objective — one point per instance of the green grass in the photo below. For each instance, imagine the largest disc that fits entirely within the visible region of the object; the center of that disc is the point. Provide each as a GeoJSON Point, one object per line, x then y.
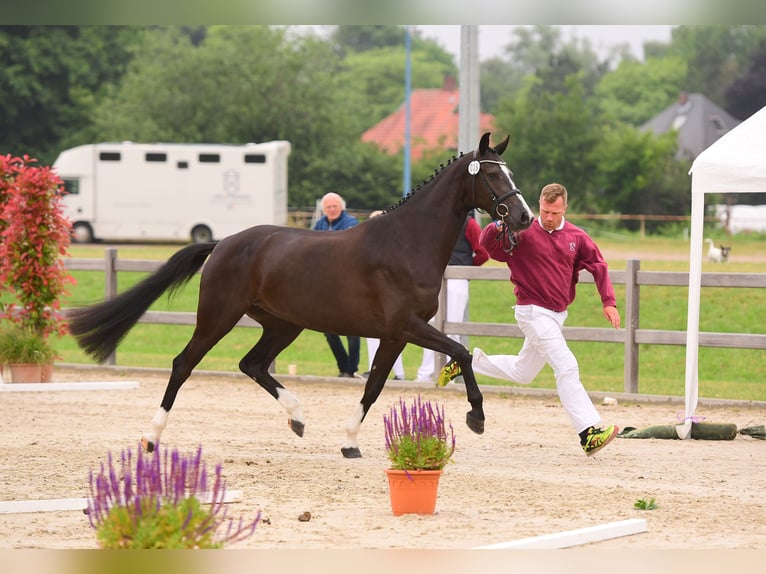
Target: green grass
{"type": "Point", "coordinates": [723, 373]}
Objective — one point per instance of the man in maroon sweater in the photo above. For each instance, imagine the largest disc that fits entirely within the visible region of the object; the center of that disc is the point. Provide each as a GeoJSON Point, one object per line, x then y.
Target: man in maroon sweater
{"type": "Point", "coordinates": [545, 264]}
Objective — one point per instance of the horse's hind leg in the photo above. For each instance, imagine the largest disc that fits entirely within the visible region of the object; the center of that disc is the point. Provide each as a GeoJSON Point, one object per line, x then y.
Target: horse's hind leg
{"type": "Point", "coordinates": [277, 335]}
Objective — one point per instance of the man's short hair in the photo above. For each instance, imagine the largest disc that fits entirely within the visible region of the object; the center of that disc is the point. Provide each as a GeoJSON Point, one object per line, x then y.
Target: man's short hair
{"type": "Point", "coordinates": [551, 192]}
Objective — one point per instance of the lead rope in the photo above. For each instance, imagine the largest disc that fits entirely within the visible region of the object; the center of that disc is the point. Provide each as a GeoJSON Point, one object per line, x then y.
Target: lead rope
{"type": "Point", "coordinates": [506, 237]}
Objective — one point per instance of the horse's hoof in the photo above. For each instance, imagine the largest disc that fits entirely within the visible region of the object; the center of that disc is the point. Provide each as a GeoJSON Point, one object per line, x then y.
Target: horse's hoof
{"type": "Point", "coordinates": [474, 423]}
{"type": "Point", "coordinates": [297, 427]}
{"type": "Point", "coordinates": [351, 452]}
{"type": "Point", "coordinates": [147, 444]}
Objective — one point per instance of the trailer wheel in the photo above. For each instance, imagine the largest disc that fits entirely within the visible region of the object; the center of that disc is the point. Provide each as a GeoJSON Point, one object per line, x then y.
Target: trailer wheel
{"type": "Point", "coordinates": [201, 234]}
{"type": "Point", "coordinates": [82, 232]}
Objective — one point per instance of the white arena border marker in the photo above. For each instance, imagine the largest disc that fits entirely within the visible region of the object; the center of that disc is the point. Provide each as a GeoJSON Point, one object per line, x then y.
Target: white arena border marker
{"type": "Point", "coordinates": [89, 386]}
{"type": "Point", "coordinates": [577, 537]}
{"type": "Point", "coordinates": [58, 504]}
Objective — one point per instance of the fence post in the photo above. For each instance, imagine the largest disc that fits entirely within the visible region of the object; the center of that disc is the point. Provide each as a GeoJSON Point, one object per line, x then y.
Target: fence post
{"type": "Point", "coordinates": [631, 325]}
{"type": "Point", "coordinates": [110, 287]}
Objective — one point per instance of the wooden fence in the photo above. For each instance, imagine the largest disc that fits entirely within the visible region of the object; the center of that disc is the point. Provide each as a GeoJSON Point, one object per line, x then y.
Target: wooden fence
{"type": "Point", "coordinates": [303, 218]}
{"type": "Point", "coordinates": [630, 335]}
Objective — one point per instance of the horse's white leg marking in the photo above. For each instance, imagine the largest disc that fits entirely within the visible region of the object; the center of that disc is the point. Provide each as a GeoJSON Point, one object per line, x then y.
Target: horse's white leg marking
{"type": "Point", "coordinates": [291, 404]}
{"type": "Point", "coordinates": [159, 422]}
{"type": "Point", "coordinates": [352, 427]}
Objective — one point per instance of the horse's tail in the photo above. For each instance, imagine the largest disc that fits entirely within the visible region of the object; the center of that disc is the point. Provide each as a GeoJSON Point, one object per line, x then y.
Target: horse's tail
{"type": "Point", "coordinates": [100, 328]}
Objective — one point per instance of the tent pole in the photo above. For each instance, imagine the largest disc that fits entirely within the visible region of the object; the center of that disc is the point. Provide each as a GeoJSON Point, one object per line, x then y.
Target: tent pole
{"type": "Point", "coordinates": [693, 314]}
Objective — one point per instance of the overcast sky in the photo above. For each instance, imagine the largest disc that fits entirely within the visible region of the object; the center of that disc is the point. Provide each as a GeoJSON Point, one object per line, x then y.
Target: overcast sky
{"type": "Point", "coordinates": [492, 39]}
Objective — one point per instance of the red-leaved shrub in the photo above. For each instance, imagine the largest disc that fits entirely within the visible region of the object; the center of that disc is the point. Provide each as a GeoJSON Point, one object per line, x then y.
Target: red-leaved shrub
{"type": "Point", "coordinates": [34, 239]}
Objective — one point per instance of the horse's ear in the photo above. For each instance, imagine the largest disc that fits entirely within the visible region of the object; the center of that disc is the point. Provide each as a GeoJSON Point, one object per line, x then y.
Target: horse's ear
{"type": "Point", "coordinates": [500, 148]}
{"type": "Point", "coordinates": [484, 144]}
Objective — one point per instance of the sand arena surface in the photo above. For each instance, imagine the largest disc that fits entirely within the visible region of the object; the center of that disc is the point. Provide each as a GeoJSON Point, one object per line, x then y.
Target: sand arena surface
{"type": "Point", "coordinates": [525, 476]}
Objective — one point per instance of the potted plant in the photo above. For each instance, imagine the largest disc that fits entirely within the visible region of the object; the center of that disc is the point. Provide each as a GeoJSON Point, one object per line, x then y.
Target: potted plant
{"type": "Point", "coordinates": [419, 443]}
{"type": "Point", "coordinates": [161, 500]}
{"type": "Point", "coordinates": [34, 238]}
{"type": "Point", "coordinates": [27, 354]}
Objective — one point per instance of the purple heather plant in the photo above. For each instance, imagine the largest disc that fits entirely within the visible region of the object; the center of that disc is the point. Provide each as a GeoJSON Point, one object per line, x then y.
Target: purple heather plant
{"type": "Point", "coordinates": [418, 437]}
{"type": "Point", "coordinates": [162, 502]}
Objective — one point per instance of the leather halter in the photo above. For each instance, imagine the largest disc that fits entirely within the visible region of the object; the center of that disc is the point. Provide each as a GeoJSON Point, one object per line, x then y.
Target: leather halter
{"type": "Point", "coordinates": [474, 169]}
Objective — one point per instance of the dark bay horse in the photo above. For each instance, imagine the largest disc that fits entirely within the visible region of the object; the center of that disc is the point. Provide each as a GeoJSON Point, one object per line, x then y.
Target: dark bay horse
{"type": "Point", "coordinates": [380, 279]}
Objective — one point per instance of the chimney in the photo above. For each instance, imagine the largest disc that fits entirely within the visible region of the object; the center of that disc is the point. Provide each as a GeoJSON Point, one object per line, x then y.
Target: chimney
{"type": "Point", "coordinates": [450, 83]}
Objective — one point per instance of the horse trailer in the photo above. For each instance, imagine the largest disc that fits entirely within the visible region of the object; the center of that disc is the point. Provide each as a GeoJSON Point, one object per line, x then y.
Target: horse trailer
{"type": "Point", "coordinates": [172, 192]}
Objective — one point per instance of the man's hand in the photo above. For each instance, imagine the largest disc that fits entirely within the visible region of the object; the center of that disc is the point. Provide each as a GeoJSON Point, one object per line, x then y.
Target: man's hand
{"type": "Point", "coordinates": [613, 316]}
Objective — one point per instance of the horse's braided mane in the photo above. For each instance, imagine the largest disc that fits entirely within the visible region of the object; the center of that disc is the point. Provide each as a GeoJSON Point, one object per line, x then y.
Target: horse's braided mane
{"type": "Point", "coordinates": [423, 183]}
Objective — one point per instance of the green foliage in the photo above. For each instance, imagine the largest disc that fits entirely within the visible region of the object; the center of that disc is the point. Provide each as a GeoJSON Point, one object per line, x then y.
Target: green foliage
{"type": "Point", "coordinates": [366, 178]}
{"type": "Point", "coordinates": [171, 526]}
{"type": "Point", "coordinates": [715, 55]}
{"type": "Point", "coordinates": [747, 94]}
{"type": "Point", "coordinates": [429, 454]}
{"type": "Point", "coordinates": [67, 85]}
{"type": "Point", "coordinates": [23, 345]}
{"type": "Point", "coordinates": [363, 38]}
{"type": "Point", "coordinates": [51, 79]}
{"type": "Point", "coordinates": [373, 81]}
{"type": "Point", "coordinates": [639, 174]}
{"type": "Point", "coordinates": [637, 91]}
{"type": "Point", "coordinates": [553, 135]}
{"type": "Point", "coordinates": [643, 504]}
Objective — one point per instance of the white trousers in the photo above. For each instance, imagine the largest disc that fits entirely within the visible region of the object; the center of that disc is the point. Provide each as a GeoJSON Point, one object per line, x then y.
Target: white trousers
{"type": "Point", "coordinates": [457, 301]}
{"type": "Point", "coordinates": [544, 343]}
{"type": "Point", "coordinates": [372, 348]}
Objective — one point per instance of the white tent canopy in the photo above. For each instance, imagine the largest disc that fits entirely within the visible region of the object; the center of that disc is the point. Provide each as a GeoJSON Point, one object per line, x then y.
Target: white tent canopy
{"type": "Point", "coordinates": [735, 163]}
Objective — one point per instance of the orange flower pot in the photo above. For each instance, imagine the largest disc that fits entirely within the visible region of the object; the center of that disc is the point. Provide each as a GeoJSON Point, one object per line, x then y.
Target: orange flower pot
{"type": "Point", "coordinates": [24, 372]}
{"type": "Point", "coordinates": [46, 372]}
{"type": "Point", "coordinates": [413, 491]}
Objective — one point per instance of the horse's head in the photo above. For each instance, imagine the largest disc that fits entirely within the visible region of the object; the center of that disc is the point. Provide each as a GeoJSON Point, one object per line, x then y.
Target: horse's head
{"type": "Point", "coordinates": [493, 188]}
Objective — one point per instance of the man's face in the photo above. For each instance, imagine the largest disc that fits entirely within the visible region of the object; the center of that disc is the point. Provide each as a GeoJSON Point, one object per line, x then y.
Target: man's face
{"type": "Point", "coordinates": [332, 208]}
{"type": "Point", "coordinates": [551, 213]}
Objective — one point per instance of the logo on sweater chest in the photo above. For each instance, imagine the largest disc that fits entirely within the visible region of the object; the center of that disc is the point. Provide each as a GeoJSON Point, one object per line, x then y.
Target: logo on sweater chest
{"type": "Point", "coordinates": [572, 246]}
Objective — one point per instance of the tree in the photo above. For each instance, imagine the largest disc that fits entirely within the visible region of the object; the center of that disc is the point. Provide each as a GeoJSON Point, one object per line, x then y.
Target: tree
{"type": "Point", "coordinates": [747, 94]}
{"type": "Point", "coordinates": [363, 38]}
{"type": "Point", "coordinates": [553, 134]}
{"type": "Point", "coordinates": [52, 78]}
{"type": "Point", "coordinates": [373, 81]}
{"type": "Point", "coordinates": [715, 56]}
{"type": "Point", "coordinates": [637, 91]}
{"type": "Point", "coordinates": [499, 79]}
{"type": "Point", "coordinates": [638, 173]}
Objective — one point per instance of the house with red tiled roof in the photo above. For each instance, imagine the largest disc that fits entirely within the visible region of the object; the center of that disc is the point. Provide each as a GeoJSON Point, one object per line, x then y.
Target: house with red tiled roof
{"type": "Point", "coordinates": [433, 122]}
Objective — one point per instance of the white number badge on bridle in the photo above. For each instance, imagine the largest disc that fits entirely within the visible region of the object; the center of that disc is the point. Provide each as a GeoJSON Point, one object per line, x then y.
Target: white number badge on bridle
{"type": "Point", "coordinates": [474, 167]}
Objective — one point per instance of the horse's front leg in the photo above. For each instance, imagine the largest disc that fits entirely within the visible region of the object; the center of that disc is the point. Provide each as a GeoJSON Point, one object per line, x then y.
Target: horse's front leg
{"type": "Point", "coordinates": [426, 335]}
{"type": "Point", "coordinates": [381, 366]}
